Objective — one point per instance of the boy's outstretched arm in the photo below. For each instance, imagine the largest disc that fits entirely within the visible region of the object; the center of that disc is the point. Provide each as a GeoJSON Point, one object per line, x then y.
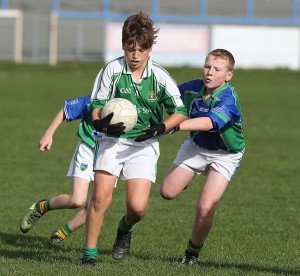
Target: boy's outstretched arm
{"type": "Point", "coordinates": [197, 124]}
{"type": "Point", "coordinates": [47, 139]}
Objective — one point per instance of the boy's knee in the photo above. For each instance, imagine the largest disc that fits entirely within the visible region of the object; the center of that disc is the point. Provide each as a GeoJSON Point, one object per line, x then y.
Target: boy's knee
{"type": "Point", "coordinates": [77, 202]}
{"type": "Point", "coordinates": [167, 194]}
{"type": "Point", "coordinates": [206, 210]}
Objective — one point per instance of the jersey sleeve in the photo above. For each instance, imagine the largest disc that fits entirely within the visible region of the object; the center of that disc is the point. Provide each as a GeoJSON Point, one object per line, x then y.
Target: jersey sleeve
{"type": "Point", "coordinates": [77, 108]}
{"type": "Point", "coordinates": [103, 86]}
{"type": "Point", "coordinates": [192, 87]}
{"type": "Point", "coordinates": [173, 104]}
{"type": "Point", "coordinates": [170, 96]}
{"type": "Point", "coordinates": [189, 91]}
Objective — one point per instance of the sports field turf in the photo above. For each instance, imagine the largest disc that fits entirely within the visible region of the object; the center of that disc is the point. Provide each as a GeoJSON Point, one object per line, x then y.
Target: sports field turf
{"type": "Point", "coordinates": [257, 225]}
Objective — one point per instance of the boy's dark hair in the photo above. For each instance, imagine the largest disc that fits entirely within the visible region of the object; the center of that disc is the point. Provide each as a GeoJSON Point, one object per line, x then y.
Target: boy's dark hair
{"type": "Point", "coordinates": [226, 55]}
{"type": "Point", "coordinates": [139, 28]}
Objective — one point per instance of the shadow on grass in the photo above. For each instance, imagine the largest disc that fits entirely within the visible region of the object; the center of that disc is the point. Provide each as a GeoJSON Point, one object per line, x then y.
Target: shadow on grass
{"type": "Point", "coordinates": [36, 248]}
{"type": "Point", "coordinates": [243, 267]}
{"type": "Point", "coordinates": [28, 247]}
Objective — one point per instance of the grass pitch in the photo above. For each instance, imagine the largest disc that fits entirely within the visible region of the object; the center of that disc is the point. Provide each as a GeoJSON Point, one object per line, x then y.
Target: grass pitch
{"type": "Point", "coordinates": [257, 225]}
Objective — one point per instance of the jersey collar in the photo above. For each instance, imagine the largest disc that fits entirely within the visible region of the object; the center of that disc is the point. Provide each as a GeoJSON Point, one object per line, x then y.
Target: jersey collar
{"type": "Point", "coordinates": [220, 90]}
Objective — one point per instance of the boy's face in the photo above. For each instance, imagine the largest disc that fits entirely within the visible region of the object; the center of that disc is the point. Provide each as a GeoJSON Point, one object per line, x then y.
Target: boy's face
{"type": "Point", "coordinates": [136, 56]}
{"type": "Point", "coordinates": [215, 73]}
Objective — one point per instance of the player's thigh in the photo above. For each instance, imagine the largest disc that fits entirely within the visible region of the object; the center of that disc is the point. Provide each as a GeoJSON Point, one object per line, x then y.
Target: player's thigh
{"type": "Point", "coordinates": [80, 189]}
{"type": "Point", "coordinates": [103, 186]}
{"type": "Point", "coordinates": [175, 181]}
{"type": "Point", "coordinates": [213, 189]}
{"type": "Point", "coordinates": [138, 191]}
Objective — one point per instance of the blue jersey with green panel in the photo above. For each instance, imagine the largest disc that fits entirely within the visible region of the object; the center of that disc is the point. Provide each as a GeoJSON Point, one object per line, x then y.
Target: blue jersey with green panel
{"type": "Point", "coordinates": [224, 110]}
{"type": "Point", "coordinates": [79, 108]}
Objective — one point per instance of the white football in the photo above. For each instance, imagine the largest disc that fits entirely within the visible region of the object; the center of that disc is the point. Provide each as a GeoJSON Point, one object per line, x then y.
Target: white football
{"type": "Point", "coordinates": [124, 111]}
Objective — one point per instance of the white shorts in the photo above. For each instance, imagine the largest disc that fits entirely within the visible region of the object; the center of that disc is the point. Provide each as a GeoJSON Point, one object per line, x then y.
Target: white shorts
{"type": "Point", "coordinates": [193, 158]}
{"type": "Point", "coordinates": [82, 162]}
{"type": "Point", "coordinates": [127, 158]}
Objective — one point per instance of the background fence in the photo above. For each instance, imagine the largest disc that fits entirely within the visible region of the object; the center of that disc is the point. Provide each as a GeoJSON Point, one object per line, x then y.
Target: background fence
{"type": "Point", "coordinates": [82, 25]}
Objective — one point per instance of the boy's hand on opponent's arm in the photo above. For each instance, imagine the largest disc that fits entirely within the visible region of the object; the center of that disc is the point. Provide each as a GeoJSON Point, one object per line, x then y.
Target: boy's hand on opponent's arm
{"type": "Point", "coordinates": [104, 126]}
{"type": "Point", "coordinates": [155, 130]}
{"type": "Point", "coordinates": [172, 130]}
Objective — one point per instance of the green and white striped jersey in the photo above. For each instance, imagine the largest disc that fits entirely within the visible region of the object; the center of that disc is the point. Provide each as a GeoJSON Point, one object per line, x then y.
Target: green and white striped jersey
{"type": "Point", "coordinates": [155, 91]}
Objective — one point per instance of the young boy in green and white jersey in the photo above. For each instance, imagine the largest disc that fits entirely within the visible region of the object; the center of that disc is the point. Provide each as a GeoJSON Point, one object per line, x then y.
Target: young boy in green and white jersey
{"type": "Point", "coordinates": [132, 155]}
{"type": "Point", "coordinates": [214, 147]}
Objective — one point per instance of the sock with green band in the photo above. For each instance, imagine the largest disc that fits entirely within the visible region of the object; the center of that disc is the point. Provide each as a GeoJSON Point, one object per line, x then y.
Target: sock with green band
{"type": "Point", "coordinates": [64, 231]}
{"type": "Point", "coordinates": [91, 253]}
{"type": "Point", "coordinates": [124, 228]}
{"type": "Point", "coordinates": [193, 248]}
{"type": "Point", "coordinates": [43, 206]}
{"type": "Point", "coordinates": [47, 205]}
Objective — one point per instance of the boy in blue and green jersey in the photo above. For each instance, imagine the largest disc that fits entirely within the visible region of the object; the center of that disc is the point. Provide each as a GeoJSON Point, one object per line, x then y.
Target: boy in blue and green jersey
{"type": "Point", "coordinates": [214, 147]}
{"type": "Point", "coordinates": [80, 171]}
{"type": "Point", "coordinates": [227, 132]}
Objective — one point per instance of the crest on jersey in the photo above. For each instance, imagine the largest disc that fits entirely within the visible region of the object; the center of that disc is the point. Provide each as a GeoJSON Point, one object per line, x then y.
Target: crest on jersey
{"type": "Point", "coordinates": [83, 166]}
{"type": "Point", "coordinates": [151, 96]}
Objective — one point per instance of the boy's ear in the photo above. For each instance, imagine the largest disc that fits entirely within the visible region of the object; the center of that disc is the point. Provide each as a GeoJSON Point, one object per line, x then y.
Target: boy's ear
{"type": "Point", "coordinates": [229, 75]}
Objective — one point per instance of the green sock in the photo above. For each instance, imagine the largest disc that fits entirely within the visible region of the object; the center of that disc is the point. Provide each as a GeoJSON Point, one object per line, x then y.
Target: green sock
{"type": "Point", "coordinates": [64, 231]}
{"type": "Point", "coordinates": [90, 252]}
{"type": "Point", "coordinates": [124, 228]}
{"type": "Point", "coordinates": [193, 248]}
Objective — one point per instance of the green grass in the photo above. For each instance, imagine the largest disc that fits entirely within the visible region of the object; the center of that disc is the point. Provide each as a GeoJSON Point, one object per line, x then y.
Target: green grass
{"type": "Point", "coordinates": [257, 225]}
